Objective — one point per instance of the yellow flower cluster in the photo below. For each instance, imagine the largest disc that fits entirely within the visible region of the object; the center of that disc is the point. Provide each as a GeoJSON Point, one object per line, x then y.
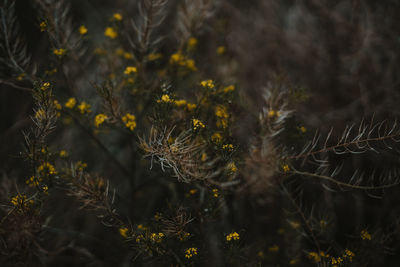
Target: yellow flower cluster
{"type": "Point", "coordinates": [83, 30]}
{"type": "Point", "coordinates": [347, 255]}
{"type": "Point", "coordinates": [58, 106]}
{"type": "Point", "coordinates": [314, 256]}
{"type": "Point", "coordinates": [221, 50]}
{"type": "Point", "coordinates": [21, 202]}
{"type": "Point", "coordinates": [117, 16]}
{"type": "Point", "coordinates": [215, 192]}
{"type": "Point", "coordinates": [197, 124]}
{"type": "Point", "coordinates": [129, 70]}
{"type": "Point", "coordinates": [110, 32]}
{"type": "Point", "coordinates": [71, 102]}
{"type": "Point", "coordinates": [63, 154]}
{"type": "Point", "coordinates": [228, 147]}
{"type": "Point", "coordinates": [157, 238]}
{"type": "Point", "coordinates": [216, 137]}
{"type": "Point", "coordinates": [232, 236]}
{"type": "Point", "coordinates": [154, 56]}
{"type": "Point", "coordinates": [80, 165]}
{"type": "Point", "coordinates": [192, 43]}
{"type": "Point", "coordinates": [190, 252]}
{"type": "Point", "coordinates": [59, 52]}
{"type": "Point", "coordinates": [45, 86]}
{"type": "Point", "coordinates": [43, 26]}
{"type": "Point", "coordinates": [302, 129]}
{"type": "Point", "coordinates": [130, 121]}
{"type": "Point", "coordinates": [207, 84]}
{"type": "Point", "coordinates": [232, 167]}
{"type": "Point", "coordinates": [33, 181]}
{"type": "Point", "coordinates": [365, 235]}
{"type": "Point", "coordinates": [99, 119]}
{"type": "Point", "coordinates": [190, 106]}
{"type": "Point", "coordinates": [40, 114]}
{"type": "Point", "coordinates": [180, 60]}
{"type": "Point", "coordinates": [123, 231]}
{"type": "Point", "coordinates": [222, 114]}
{"type": "Point", "coordinates": [285, 168]}
{"type": "Point", "coordinates": [139, 238]}
{"type": "Point", "coordinates": [47, 169]}
{"type": "Point", "coordinates": [272, 113]}
{"type": "Point", "coordinates": [84, 108]}
{"type": "Point", "coordinates": [229, 88]}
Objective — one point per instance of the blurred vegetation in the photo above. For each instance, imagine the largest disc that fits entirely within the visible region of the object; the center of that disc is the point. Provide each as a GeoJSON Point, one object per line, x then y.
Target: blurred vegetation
{"type": "Point", "coordinates": [199, 132]}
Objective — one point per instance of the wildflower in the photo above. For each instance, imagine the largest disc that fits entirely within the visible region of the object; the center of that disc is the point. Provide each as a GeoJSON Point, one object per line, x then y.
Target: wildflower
{"type": "Point", "coordinates": [216, 137]}
{"type": "Point", "coordinates": [47, 169]}
{"type": "Point", "coordinates": [197, 124]}
{"type": "Point", "coordinates": [99, 119]}
{"type": "Point", "coordinates": [190, 64]}
{"type": "Point", "coordinates": [215, 192]}
{"type": "Point", "coordinates": [294, 225]}
{"type": "Point", "coordinates": [21, 202]}
{"type": "Point", "coordinates": [45, 189]}
{"type": "Point", "coordinates": [57, 105]}
{"type": "Point", "coordinates": [117, 16]}
{"type": "Point", "coordinates": [129, 121]}
{"type": "Point", "coordinates": [190, 252]}
{"type": "Point", "coordinates": [221, 50]}
{"type": "Point", "coordinates": [33, 181]}
{"type": "Point", "coordinates": [302, 129]}
{"type": "Point", "coordinates": [83, 30]}
{"type": "Point", "coordinates": [59, 52]}
{"type": "Point", "coordinates": [274, 248]}
{"type": "Point", "coordinates": [84, 108]}
{"type": "Point", "coordinates": [228, 147]}
{"type": "Point", "coordinates": [21, 76]}
{"type": "Point", "coordinates": [45, 86]}
{"type": "Point", "coordinates": [207, 84]}
{"type": "Point", "coordinates": [220, 111]}
{"type": "Point", "coordinates": [365, 235]}
{"type": "Point", "coordinates": [128, 55]}
{"type": "Point", "coordinates": [348, 254]}
{"type": "Point", "coordinates": [232, 167]}
{"type": "Point", "coordinates": [110, 32]}
{"type": "Point", "coordinates": [165, 99]}
{"type": "Point", "coordinates": [123, 231]}
{"type": "Point", "coordinates": [229, 88]}
{"type": "Point", "coordinates": [203, 156]}
{"type": "Point", "coordinates": [192, 43]}
{"type": "Point", "coordinates": [153, 56]}
{"type": "Point", "coordinates": [285, 168]}
{"type": "Point", "coordinates": [51, 72]}
{"type": "Point", "coordinates": [80, 165]}
{"type": "Point", "coordinates": [193, 191]}
{"type": "Point", "coordinates": [71, 102]}
{"type": "Point", "coordinates": [139, 238]}
{"type": "Point", "coordinates": [157, 238]}
{"type": "Point", "coordinates": [43, 26]}
{"type": "Point", "coordinates": [141, 227]}
{"type": "Point", "coordinates": [190, 106]}
{"type": "Point", "coordinates": [180, 103]}
{"type": "Point", "coordinates": [176, 58]}
{"type": "Point", "coordinates": [63, 154]}
{"type": "Point", "coordinates": [129, 70]}
{"type": "Point", "coordinates": [314, 256]}
{"type": "Point", "coordinates": [232, 236]}
{"type": "Point", "coordinates": [40, 114]}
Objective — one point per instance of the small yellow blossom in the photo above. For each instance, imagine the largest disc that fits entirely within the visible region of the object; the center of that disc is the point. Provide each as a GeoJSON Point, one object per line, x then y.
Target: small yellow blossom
{"type": "Point", "coordinates": [274, 248]}
{"type": "Point", "coordinates": [221, 50]}
{"type": "Point", "coordinates": [197, 124]}
{"type": "Point", "coordinates": [110, 32]}
{"type": "Point", "coordinates": [229, 88]}
{"type": "Point", "coordinates": [193, 191]}
{"type": "Point", "coordinates": [365, 235]}
{"type": "Point", "coordinates": [157, 238]}
{"type": "Point", "coordinates": [130, 121]}
{"type": "Point", "coordinates": [207, 84]}
{"type": "Point", "coordinates": [71, 102]}
{"type": "Point", "coordinates": [165, 99]}
{"type": "Point", "coordinates": [285, 168]}
{"type": "Point", "coordinates": [63, 154]}
{"type": "Point", "coordinates": [232, 236]}
{"type": "Point", "coordinates": [129, 70]}
{"type": "Point", "coordinates": [215, 192]}
{"type": "Point", "coordinates": [216, 137]}
{"type": "Point", "coordinates": [123, 231]}
{"type": "Point", "coordinates": [99, 119]}
{"type": "Point", "coordinates": [139, 238]}
{"type": "Point", "coordinates": [190, 252]}
{"type": "Point", "coordinates": [190, 64]}
{"type": "Point", "coordinates": [141, 227]}
{"type": "Point", "coordinates": [302, 129]}
{"type": "Point", "coordinates": [84, 108]}
{"type": "Point", "coordinates": [45, 86]}
{"type": "Point", "coordinates": [21, 76]}
{"type": "Point", "coordinates": [176, 58]}
{"type": "Point", "coordinates": [180, 103]}
{"type": "Point", "coordinates": [204, 156]}
{"type": "Point", "coordinates": [83, 30]}
{"type": "Point", "coordinates": [47, 169]}
{"type": "Point", "coordinates": [192, 43]}
{"type": "Point", "coordinates": [59, 52]}
{"type": "Point", "coordinates": [45, 189]}
{"type": "Point", "coordinates": [220, 111]}
{"type": "Point", "coordinates": [294, 225]}
{"type": "Point", "coordinates": [117, 16]}
{"type": "Point", "coordinates": [40, 114]}
{"type": "Point", "coordinates": [232, 167]}
{"type": "Point", "coordinates": [21, 202]}
{"type": "Point", "coordinates": [314, 256]}
{"type": "Point", "coordinates": [43, 26]}
{"type": "Point", "coordinates": [228, 147]}
{"type": "Point", "coordinates": [190, 106]}
{"type": "Point", "coordinates": [128, 55]}
{"type": "Point", "coordinates": [33, 181]}
{"type": "Point", "coordinates": [80, 165]}
{"type": "Point", "coordinates": [57, 105]}
{"type": "Point", "coordinates": [154, 56]}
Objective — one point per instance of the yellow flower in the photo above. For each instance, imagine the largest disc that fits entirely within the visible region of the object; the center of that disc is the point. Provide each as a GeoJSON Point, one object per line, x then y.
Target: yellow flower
{"type": "Point", "coordinates": [128, 55]}
{"type": "Point", "coordinates": [139, 238]}
{"type": "Point", "coordinates": [43, 26]}
{"type": "Point", "coordinates": [123, 232]}
{"type": "Point", "coordinates": [165, 99]}
{"type": "Point", "coordinates": [153, 56]}
{"type": "Point", "coordinates": [47, 169]}
{"type": "Point", "coordinates": [45, 189]}
{"type": "Point", "coordinates": [80, 165]}
{"type": "Point", "coordinates": [129, 121]}
{"type": "Point", "coordinates": [232, 167]}
{"type": "Point", "coordinates": [83, 30]}
{"type": "Point", "coordinates": [302, 129]}
{"type": "Point", "coordinates": [157, 238]}
{"type": "Point", "coordinates": [197, 124]}
{"type": "Point", "coordinates": [21, 76]}
{"type": "Point", "coordinates": [190, 64]}
{"type": "Point", "coordinates": [229, 88]}
{"type": "Point", "coordinates": [99, 119]}
{"type": "Point", "coordinates": [63, 154]}
{"type": "Point", "coordinates": [59, 52]}
{"type": "Point", "coordinates": [180, 103]}
{"type": "Point", "coordinates": [84, 108]}
{"type": "Point", "coordinates": [57, 105]}
{"type": "Point", "coordinates": [117, 16]}
{"type": "Point", "coordinates": [207, 84]}
{"type": "Point", "coordinates": [71, 102]}
{"type": "Point", "coordinates": [228, 147]}
{"type": "Point", "coordinates": [215, 192]}
{"type": "Point", "coordinates": [221, 50]}
{"type": "Point", "coordinates": [285, 168]}
{"type": "Point", "coordinates": [130, 69]}
{"type": "Point", "coordinates": [193, 191]}
{"type": "Point", "coordinates": [45, 86]}
{"type": "Point", "coordinates": [190, 252]}
{"type": "Point", "coordinates": [21, 202]}
{"type": "Point", "coordinates": [220, 111]}
{"type": "Point", "coordinates": [232, 236]}
{"type": "Point", "coordinates": [110, 32]}
{"type": "Point", "coordinates": [216, 137]}
{"type": "Point", "coordinates": [365, 235]}
{"type": "Point", "coordinates": [176, 58]}
{"type": "Point", "coordinates": [192, 43]}
{"type": "Point", "coordinates": [190, 106]}
{"type": "Point", "coordinates": [314, 256]}
{"type": "Point", "coordinates": [203, 156]}
{"type": "Point", "coordinates": [40, 114]}
{"type": "Point", "coordinates": [33, 181]}
{"type": "Point", "coordinates": [274, 248]}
